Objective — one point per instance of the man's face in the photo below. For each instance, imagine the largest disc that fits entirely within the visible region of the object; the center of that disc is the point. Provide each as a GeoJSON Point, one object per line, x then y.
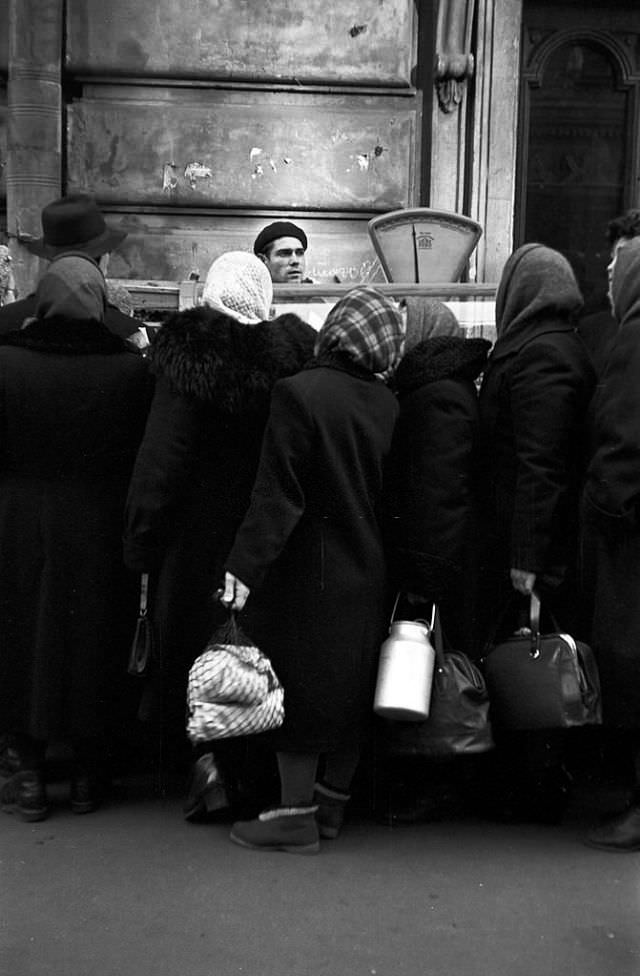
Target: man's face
{"type": "Point", "coordinates": [285, 261]}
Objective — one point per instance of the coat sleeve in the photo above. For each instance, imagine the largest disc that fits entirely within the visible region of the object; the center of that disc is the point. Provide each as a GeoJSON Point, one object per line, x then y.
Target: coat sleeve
{"type": "Point", "coordinates": [548, 404]}
{"type": "Point", "coordinates": [278, 497]}
{"type": "Point", "coordinates": [161, 471]}
{"type": "Point", "coordinates": [612, 486]}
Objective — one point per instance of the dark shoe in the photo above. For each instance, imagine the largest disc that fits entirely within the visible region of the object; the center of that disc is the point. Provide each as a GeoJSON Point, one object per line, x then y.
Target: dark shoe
{"type": "Point", "coordinates": [331, 810]}
{"type": "Point", "coordinates": [9, 758]}
{"type": "Point", "coordinates": [621, 833]}
{"type": "Point", "coordinates": [87, 792]}
{"type": "Point", "coordinates": [25, 795]}
{"type": "Point", "coordinates": [206, 793]}
{"type": "Point", "coordinates": [291, 829]}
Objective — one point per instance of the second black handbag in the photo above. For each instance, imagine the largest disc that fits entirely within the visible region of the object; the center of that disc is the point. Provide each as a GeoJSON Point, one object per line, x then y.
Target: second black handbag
{"type": "Point", "coordinates": [542, 681]}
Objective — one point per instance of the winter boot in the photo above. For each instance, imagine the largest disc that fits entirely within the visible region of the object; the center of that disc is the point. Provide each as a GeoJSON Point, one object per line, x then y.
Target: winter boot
{"type": "Point", "coordinates": [291, 829]}
{"type": "Point", "coordinates": [331, 810]}
{"type": "Point", "coordinates": [25, 795]}
{"type": "Point", "coordinates": [621, 833]}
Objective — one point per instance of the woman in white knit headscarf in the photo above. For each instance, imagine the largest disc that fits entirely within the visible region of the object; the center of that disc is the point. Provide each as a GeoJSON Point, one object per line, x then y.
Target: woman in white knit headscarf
{"type": "Point", "coordinates": [239, 284]}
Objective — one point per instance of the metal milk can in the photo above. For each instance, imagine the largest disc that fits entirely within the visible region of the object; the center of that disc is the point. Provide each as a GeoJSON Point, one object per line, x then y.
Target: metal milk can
{"type": "Point", "coordinates": [405, 671]}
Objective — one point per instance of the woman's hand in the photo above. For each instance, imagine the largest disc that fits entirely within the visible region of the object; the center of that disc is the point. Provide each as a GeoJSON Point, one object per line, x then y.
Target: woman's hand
{"type": "Point", "coordinates": [523, 581]}
{"type": "Point", "coordinates": [235, 593]}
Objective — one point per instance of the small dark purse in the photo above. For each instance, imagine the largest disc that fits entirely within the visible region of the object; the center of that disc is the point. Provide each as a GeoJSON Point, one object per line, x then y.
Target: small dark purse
{"type": "Point", "coordinates": [141, 653]}
{"type": "Point", "coordinates": [542, 681]}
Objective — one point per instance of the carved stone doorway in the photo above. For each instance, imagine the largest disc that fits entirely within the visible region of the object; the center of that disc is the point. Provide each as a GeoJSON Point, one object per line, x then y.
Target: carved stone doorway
{"type": "Point", "coordinates": [578, 152]}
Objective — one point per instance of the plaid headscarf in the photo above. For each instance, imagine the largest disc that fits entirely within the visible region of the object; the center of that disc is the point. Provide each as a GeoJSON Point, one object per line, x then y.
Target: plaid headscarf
{"type": "Point", "coordinates": [239, 284]}
{"type": "Point", "coordinates": [366, 327]}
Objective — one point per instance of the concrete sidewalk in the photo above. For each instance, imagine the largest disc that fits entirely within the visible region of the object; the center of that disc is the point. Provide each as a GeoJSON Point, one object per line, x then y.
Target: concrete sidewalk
{"type": "Point", "coordinates": [133, 890]}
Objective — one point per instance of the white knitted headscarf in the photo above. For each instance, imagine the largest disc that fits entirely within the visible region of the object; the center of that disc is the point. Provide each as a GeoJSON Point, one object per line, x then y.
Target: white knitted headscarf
{"type": "Point", "coordinates": [239, 284]}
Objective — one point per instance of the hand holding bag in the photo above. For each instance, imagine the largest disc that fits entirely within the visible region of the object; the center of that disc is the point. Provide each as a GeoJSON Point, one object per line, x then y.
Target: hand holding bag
{"type": "Point", "coordinates": [458, 722]}
{"type": "Point", "coordinates": [141, 653]}
{"type": "Point", "coordinates": [232, 689]}
{"type": "Point", "coordinates": [542, 681]}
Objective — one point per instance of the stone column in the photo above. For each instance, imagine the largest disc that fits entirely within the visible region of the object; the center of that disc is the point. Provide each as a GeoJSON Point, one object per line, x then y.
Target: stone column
{"type": "Point", "coordinates": [495, 132]}
{"type": "Point", "coordinates": [454, 66]}
{"type": "Point", "coordinates": [34, 129]}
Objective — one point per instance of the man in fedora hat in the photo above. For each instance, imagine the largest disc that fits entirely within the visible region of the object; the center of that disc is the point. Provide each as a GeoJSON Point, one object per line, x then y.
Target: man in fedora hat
{"type": "Point", "coordinates": [75, 225]}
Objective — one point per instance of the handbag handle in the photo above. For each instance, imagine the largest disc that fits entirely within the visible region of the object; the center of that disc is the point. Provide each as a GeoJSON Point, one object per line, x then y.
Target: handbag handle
{"type": "Point", "coordinates": [144, 595]}
{"type": "Point", "coordinates": [535, 608]}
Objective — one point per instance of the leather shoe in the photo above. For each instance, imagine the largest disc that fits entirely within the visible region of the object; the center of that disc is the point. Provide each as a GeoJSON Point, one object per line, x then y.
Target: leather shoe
{"type": "Point", "coordinates": [621, 833]}
{"type": "Point", "coordinates": [87, 792]}
{"type": "Point", "coordinates": [25, 795]}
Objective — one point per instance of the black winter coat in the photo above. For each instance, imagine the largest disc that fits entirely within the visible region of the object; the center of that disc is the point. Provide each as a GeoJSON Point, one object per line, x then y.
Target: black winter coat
{"type": "Point", "coordinates": [73, 403]}
{"type": "Point", "coordinates": [196, 465]}
{"type": "Point", "coordinates": [310, 549]}
{"type": "Point", "coordinates": [612, 509]}
{"type": "Point", "coordinates": [533, 407]}
{"type": "Point", "coordinates": [430, 479]}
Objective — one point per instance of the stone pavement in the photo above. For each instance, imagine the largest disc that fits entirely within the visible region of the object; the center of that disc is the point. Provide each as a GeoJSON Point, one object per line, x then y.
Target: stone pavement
{"type": "Point", "coordinates": [133, 890]}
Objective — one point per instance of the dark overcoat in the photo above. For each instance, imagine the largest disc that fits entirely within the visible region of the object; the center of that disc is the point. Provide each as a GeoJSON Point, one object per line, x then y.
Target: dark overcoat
{"type": "Point", "coordinates": [311, 550]}
{"type": "Point", "coordinates": [533, 407]}
{"type": "Point", "coordinates": [196, 465]}
{"type": "Point", "coordinates": [612, 504]}
{"type": "Point", "coordinates": [73, 403]}
{"type": "Point", "coordinates": [430, 483]}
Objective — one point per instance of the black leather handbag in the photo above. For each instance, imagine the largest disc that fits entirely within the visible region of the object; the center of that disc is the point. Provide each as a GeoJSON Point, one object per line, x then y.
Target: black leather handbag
{"type": "Point", "coordinates": [542, 681]}
{"type": "Point", "coordinates": [458, 721]}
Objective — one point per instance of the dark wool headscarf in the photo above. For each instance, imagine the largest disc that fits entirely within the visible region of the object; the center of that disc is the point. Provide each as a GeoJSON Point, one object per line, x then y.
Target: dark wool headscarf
{"type": "Point", "coordinates": [72, 287]}
{"type": "Point", "coordinates": [426, 318]}
{"type": "Point", "coordinates": [625, 283]}
{"type": "Point", "coordinates": [367, 328]}
{"type": "Point", "coordinates": [537, 283]}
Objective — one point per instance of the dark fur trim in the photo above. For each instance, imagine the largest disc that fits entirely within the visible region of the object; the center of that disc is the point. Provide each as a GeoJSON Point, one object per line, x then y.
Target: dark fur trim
{"type": "Point", "coordinates": [441, 357]}
{"type": "Point", "coordinates": [72, 337]}
{"type": "Point", "coordinates": [209, 356]}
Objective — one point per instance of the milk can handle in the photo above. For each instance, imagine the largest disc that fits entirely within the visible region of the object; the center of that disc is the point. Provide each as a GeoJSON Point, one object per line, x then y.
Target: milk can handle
{"type": "Point", "coordinates": [419, 620]}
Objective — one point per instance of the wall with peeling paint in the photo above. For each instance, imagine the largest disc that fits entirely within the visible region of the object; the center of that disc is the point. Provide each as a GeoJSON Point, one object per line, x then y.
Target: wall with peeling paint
{"type": "Point", "coordinates": [365, 42]}
{"type": "Point", "coordinates": [239, 149]}
{"type": "Point", "coordinates": [197, 123]}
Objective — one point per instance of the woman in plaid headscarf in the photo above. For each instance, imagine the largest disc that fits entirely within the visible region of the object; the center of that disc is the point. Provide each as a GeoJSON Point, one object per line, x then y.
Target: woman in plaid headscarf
{"type": "Point", "coordinates": [310, 551]}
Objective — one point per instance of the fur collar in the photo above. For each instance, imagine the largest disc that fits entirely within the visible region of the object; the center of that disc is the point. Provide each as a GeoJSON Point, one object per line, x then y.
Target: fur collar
{"type": "Point", "coordinates": [439, 358]}
{"type": "Point", "coordinates": [210, 357]}
{"type": "Point", "coordinates": [70, 337]}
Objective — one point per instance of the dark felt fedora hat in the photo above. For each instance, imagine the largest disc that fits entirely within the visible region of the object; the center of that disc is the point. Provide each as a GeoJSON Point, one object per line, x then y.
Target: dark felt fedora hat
{"type": "Point", "coordinates": [74, 223]}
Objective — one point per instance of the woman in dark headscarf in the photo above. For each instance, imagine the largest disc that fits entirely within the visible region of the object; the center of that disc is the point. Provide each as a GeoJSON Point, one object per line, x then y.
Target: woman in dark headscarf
{"type": "Point", "coordinates": [612, 508]}
{"type": "Point", "coordinates": [73, 404]}
{"type": "Point", "coordinates": [310, 550]}
{"type": "Point", "coordinates": [533, 403]}
{"type": "Point", "coordinates": [430, 488]}
{"type": "Point", "coordinates": [431, 515]}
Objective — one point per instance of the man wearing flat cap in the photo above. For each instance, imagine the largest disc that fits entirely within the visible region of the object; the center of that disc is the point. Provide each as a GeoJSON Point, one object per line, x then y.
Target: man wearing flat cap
{"type": "Point", "coordinates": [282, 246]}
{"type": "Point", "coordinates": [75, 225]}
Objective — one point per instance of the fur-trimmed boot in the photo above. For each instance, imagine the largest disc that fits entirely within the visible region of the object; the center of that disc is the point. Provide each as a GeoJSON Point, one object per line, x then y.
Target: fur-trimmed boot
{"type": "Point", "coordinates": [331, 810]}
{"type": "Point", "coordinates": [291, 829]}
